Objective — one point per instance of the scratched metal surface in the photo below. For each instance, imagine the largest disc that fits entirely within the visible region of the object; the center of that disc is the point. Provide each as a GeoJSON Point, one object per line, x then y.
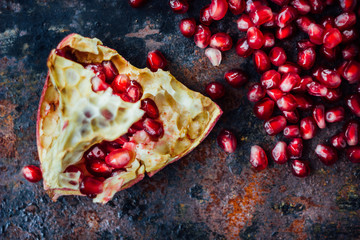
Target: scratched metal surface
{"type": "Point", "coordinates": [206, 195]}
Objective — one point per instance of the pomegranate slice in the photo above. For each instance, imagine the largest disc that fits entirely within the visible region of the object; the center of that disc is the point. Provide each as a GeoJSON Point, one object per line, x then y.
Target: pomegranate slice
{"type": "Point", "coordinates": [275, 125]}
{"type": "Point", "coordinates": [119, 158]}
{"type": "Point", "coordinates": [187, 27]}
{"type": "Point", "coordinates": [279, 153]}
{"type": "Point", "coordinates": [110, 71]}
{"type": "Point", "coordinates": [221, 41]}
{"type": "Point", "coordinates": [236, 6]}
{"type": "Point", "coordinates": [353, 102]}
{"type": "Point", "coordinates": [150, 108]}
{"type": "Point", "coordinates": [264, 108]}
{"type": "Point", "coordinates": [338, 141]}
{"type": "Point", "coordinates": [270, 79]}
{"type": "Point", "coordinates": [292, 131]}
{"type": "Point", "coordinates": [295, 148]}
{"type": "Point", "coordinates": [351, 132]}
{"type": "Point", "coordinates": [153, 128]}
{"type": "Point", "coordinates": [179, 6]}
{"type": "Point", "coordinates": [215, 90]}
{"type": "Point", "coordinates": [319, 115]}
{"type": "Point", "coordinates": [307, 128]}
{"type": "Point", "coordinates": [255, 93]}
{"type": "Point", "coordinates": [255, 38]}
{"type": "Point", "coordinates": [202, 36]}
{"type": "Point", "coordinates": [258, 158]}
{"type": "Point", "coordinates": [91, 186]}
{"type": "Point", "coordinates": [156, 60]}
{"type": "Point", "coordinates": [300, 168]}
{"type": "Point", "coordinates": [353, 154]}
{"type": "Point", "coordinates": [32, 173]}
{"type": "Point", "coordinates": [205, 17]}
{"type": "Point", "coordinates": [277, 56]}
{"type": "Point", "coordinates": [218, 9]}
{"type": "Point", "coordinates": [227, 141]}
{"type": "Point", "coordinates": [236, 78]}
{"type": "Point", "coordinates": [336, 114]}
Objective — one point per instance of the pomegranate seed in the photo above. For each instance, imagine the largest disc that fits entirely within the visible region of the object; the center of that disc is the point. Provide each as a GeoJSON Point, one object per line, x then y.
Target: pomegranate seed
{"type": "Point", "coordinates": [317, 73]}
{"type": "Point", "coordinates": [301, 87]}
{"type": "Point", "coordinates": [328, 22]}
{"type": "Point", "coordinates": [329, 53]}
{"type": "Point", "coordinates": [119, 158]}
{"type": "Point", "coordinates": [351, 71]}
{"type": "Point", "coordinates": [98, 167]}
{"type": "Point", "coordinates": [289, 81]}
{"type": "Point", "coordinates": [285, 32]}
{"type": "Point", "coordinates": [330, 78]}
{"type": "Point", "coordinates": [179, 6]}
{"type": "Point", "coordinates": [306, 58]}
{"type": "Point", "coordinates": [349, 52]}
{"type": "Point", "coordinates": [255, 38]}
{"type": "Point", "coordinates": [275, 125]}
{"type": "Point", "coordinates": [316, 33]}
{"type": "Point", "coordinates": [319, 116]}
{"type": "Point", "coordinates": [274, 94]}
{"type": "Point", "coordinates": [187, 27]}
{"type": "Point", "coordinates": [353, 102]}
{"type": "Point", "coordinates": [236, 78]}
{"type": "Point", "coordinates": [218, 9]}
{"type": "Point", "coordinates": [347, 5]}
{"type": "Point", "coordinates": [317, 89]}
{"type": "Point", "coordinates": [353, 154]}
{"type": "Point", "coordinates": [345, 20]}
{"type": "Point", "coordinates": [333, 94]}
{"type": "Point", "coordinates": [98, 85]}
{"type": "Point", "coordinates": [150, 108]}
{"type": "Point", "coordinates": [153, 128]}
{"type": "Point", "coordinates": [288, 67]}
{"type": "Point", "coordinates": [270, 79]}
{"type": "Point", "coordinates": [304, 23]}
{"type": "Point", "coordinates": [227, 141]}
{"type": "Point", "coordinates": [303, 102]}
{"type": "Point", "coordinates": [264, 108]}
{"type": "Point", "coordinates": [269, 40]}
{"type": "Point", "coordinates": [202, 36]}
{"type": "Point", "coordinates": [244, 23]}
{"type": "Point", "coordinates": [214, 55]}
{"type": "Point", "coordinates": [215, 90]}
{"type": "Point", "coordinates": [307, 128]}
{"type": "Point", "coordinates": [261, 15]}
{"type": "Point", "coordinates": [156, 60]}
{"type": "Point", "coordinates": [351, 132]}
{"type": "Point", "coordinates": [349, 35]}
{"type": "Point", "coordinates": [332, 37]}
{"type": "Point", "coordinates": [277, 56]}
{"type": "Point", "coordinates": [305, 43]}
{"type": "Point", "coordinates": [251, 6]}
{"type": "Point", "coordinates": [96, 152]}
{"type": "Point", "coordinates": [242, 48]}
{"type": "Point", "coordinates": [137, 126]}
{"type": "Point", "coordinates": [262, 61]}
{"type": "Point", "coordinates": [136, 3]}
{"type": "Point", "coordinates": [120, 83]}
{"type": "Point", "coordinates": [205, 17]}
{"type": "Point", "coordinates": [338, 141]}
{"type": "Point", "coordinates": [271, 22]}
{"type": "Point", "coordinates": [280, 2]}
{"type": "Point", "coordinates": [291, 131]}
{"type": "Point", "coordinates": [133, 93]}
{"type": "Point", "coordinates": [292, 116]}
{"type": "Point", "coordinates": [91, 186]}
{"type": "Point", "coordinates": [98, 69]}
{"type": "Point", "coordinates": [287, 103]}
{"type": "Point", "coordinates": [110, 71]}
{"type": "Point", "coordinates": [279, 153]}
{"type": "Point", "coordinates": [301, 6]}
{"type": "Point", "coordinates": [221, 41]}
{"type": "Point", "coordinates": [32, 173]}
{"type": "Point", "coordinates": [255, 93]}
{"type": "Point", "coordinates": [336, 114]}
{"type": "Point", "coordinates": [236, 6]}
{"type": "Point", "coordinates": [258, 158]}
{"type": "Point", "coordinates": [300, 168]}
{"type": "Point", "coordinates": [295, 148]}
{"type": "Point", "coordinates": [317, 6]}
{"type": "Point", "coordinates": [326, 154]}
{"type": "Point", "coordinates": [285, 16]}
{"type": "Point", "coordinates": [122, 139]}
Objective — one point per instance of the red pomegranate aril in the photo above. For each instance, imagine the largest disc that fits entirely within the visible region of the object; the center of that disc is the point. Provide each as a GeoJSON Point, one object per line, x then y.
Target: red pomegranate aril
{"type": "Point", "coordinates": [271, 22]}
{"type": "Point", "coordinates": [153, 128]}
{"type": "Point", "coordinates": [353, 154]}
{"type": "Point", "coordinates": [279, 153]}
{"type": "Point", "coordinates": [350, 71]}
{"type": "Point", "coordinates": [251, 5]}
{"type": "Point", "coordinates": [256, 92]}
{"type": "Point", "coordinates": [122, 139]}
{"type": "Point", "coordinates": [255, 38]}
{"type": "Point", "coordinates": [242, 48]}
{"type": "Point", "coordinates": [292, 116]}
{"type": "Point", "coordinates": [350, 51]}
{"type": "Point", "coordinates": [98, 85]}
{"type": "Point", "coordinates": [329, 53]}
{"type": "Point", "coordinates": [285, 16]}
{"type": "Point", "coordinates": [133, 93]}
{"type": "Point", "coordinates": [295, 148]}
{"type": "Point", "coordinates": [261, 15]}
{"type": "Point", "coordinates": [119, 158]}
{"type": "Point", "coordinates": [302, 6]}
{"type": "Point", "coordinates": [303, 102]}
{"type": "Point", "coordinates": [137, 3]}
{"type": "Point", "coordinates": [328, 23]}
{"type": "Point", "coordinates": [307, 128]}
{"type": "Point", "coordinates": [330, 78]}
{"type": "Point", "coordinates": [285, 32]}
{"type": "Point", "coordinates": [244, 23]}
{"type": "Point", "coordinates": [202, 36]}
{"type": "Point", "coordinates": [205, 17]}
{"type": "Point", "coordinates": [218, 9]}
{"type": "Point", "coordinates": [269, 40]}
{"type": "Point", "coordinates": [287, 103]}
{"type": "Point", "coordinates": [274, 94]}
{"type": "Point", "coordinates": [291, 131]}
{"type": "Point", "coordinates": [179, 6]}
{"type": "Point", "coordinates": [110, 71]}
{"type": "Point", "coordinates": [270, 79]}
{"type": "Point", "coordinates": [338, 141]}
{"type": "Point", "coordinates": [236, 6]}
{"type": "Point", "coordinates": [347, 5]}
{"type": "Point", "coordinates": [317, 89]}
{"type": "Point", "coordinates": [156, 60]}
{"type": "Point", "coordinates": [227, 141]}
{"type": "Point", "coordinates": [280, 2]}
{"type": "Point", "coordinates": [305, 43]}
{"type": "Point", "coordinates": [335, 114]}
{"type": "Point", "coordinates": [317, 6]}
{"type": "Point", "coordinates": [345, 20]}
{"type": "Point", "coordinates": [301, 87]}
{"type": "Point", "coordinates": [306, 58]}
{"type": "Point", "coordinates": [304, 23]}
{"type": "Point", "coordinates": [317, 73]}
{"type": "Point", "coordinates": [98, 167]}
{"type": "Point", "coordinates": [264, 108]}
{"type": "Point", "coordinates": [221, 41]}
{"type": "Point", "coordinates": [91, 186]}
{"type": "Point", "coordinates": [120, 83]}
{"type": "Point", "coordinates": [332, 38]}
{"type": "Point", "coordinates": [98, 69]}
{"type": "Point", "coordinates": [349, 35]}
{"type": "Point", "coordinates": [214, 55]}
{"type": "Point", "coordinates": [326, 154]}
{"type": "Point", "coordinates": [187, 27]}
{"type": "Point", "coordinates": [236, 78]}
{"type": "Point", "coordinates": [150, 108]}
{"type": "Point", "coordinates": [351, 132]}
{"type": "Point", "coordinates": [32, 173]}
{"type": "Point", "coordinates": [353, 102]}
{"type": "Point", "coordinates": [258, 158]}
{"type": "Point", "coordinates": [275, 125]}
{"type": "Point", "coordinates": [289, 81]}
{"type": "Point", "coordinates": [300, 168]}
{"type": "Point", "coordinates": [262, 61]}
{"type": "Point", "coordinates": [316, 33]}
{"type": "Point", "coordinates": [215, 90]}
{"type": "Point", "coordinates": [277, 56]}
{"type": "Point", "coordinates": [333, 94]}
{"type": "Point", "coordinates": [95, 152]}
{"type": "Point", "coordinates": [288, 67]}
{"type": "Point", "coordinates": [319, 115]}
{"type": "Point", "coordinates": [137, 126]}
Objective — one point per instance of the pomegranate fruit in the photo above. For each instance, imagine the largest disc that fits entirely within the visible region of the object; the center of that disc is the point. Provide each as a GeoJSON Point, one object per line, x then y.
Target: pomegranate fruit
{"type": "Point", "coordinates": [258, 158]}
{"type": "Point", "coordinates": [279, 153]}
{"type": "Point", "coordinates": [32, 173]}
{"type": "Point", "coordinates": [300, 168]}
{"type": "Point", "coordinates": [227, 141]}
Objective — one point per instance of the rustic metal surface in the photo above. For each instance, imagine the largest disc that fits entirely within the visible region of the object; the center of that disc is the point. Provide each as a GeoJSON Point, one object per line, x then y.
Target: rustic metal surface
{"type": "Point", "coordinates": [206, 195]}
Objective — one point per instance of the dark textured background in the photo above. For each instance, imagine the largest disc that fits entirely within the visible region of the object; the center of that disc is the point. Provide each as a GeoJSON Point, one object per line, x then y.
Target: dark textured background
{"type": "Point", "coordinates": [206, 195]}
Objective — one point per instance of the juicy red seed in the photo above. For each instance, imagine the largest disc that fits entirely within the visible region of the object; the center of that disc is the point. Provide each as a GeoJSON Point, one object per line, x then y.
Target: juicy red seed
{"type": "Point", "coordinates": [227, 141]}
{"type": "Point", "coordinates": [279, 153]}
{"type": "Point", "coordinates": [95, 152]}
{"type": "Point", "coordinates": [270, 79]}
{"type": "Point", "coordinates": [255, 38]}
{"type": "Point", "coordinates": [329, 53]}
{"type": "Point", "coordinates": [326, 154]}
{"type": "Point", "coordinates": [98, 168]}
{"type": "Point", "coordinates": [256, 92]}
{"type": "Point", "coordinates": [328, 22]}
{"type": "Point", "coordinates": [73, 169]}
{"type": "Point", "coordinates": [316, 33]}
{"type": "Point", "coordinates": [133, 93]}
{"type": "Point", "coordinates": [353, 102]}
{"type": "Point", "coordinates": [319, 115]}
{"type": "Point", "coordinates": [236, 78]}
{"type": "Point", "coordinates": [351, 132]}
{"type": "Point", "coordinates": [202, 36]}
{"type": "Point", "coordinates": [285, 16]}
{"type": "Point", "coordinates": [252, 5]}
{"type": "Point", "coordinates": [215, 90]}
{"type": "Point", "coordinates": [274, 94]}
{"type": "Point", "coordinates": [303, 102]}
{"type": "Point", "coordinates": [242, 48]}
{"type": "Point", "coordinates": [137, 126]}
{"type": "Point", "coordinates": [119, 158]}
{"type": "Point", "coordinates": [289, 81]}
{"type": "Point", "coordinates": [336, 114]}
{"type": "Point", "coordinates": [277, 56]}
{"type": "Point", "coordinates": [109, 146]}
{"type": "Point", "coordinates": [221, 41]}
{"type": "Point", "coordinates": [236, 6]}
{"type": "Point", "coordinates": [350, 51]}
{"type": "Point", "coordinates": [333, 94]}
{"type": "Point", "coordinates": [275, 125]}
{"type": "Point", "coordinates": [317, 89]}
{"type": "Point", "coordinates": [350, 71]}
{"type": "Point", "coordinates": [214, 55]}
{"type": "Point", "coordinates": [300, 168]}
{"type": "Point", "coordinates": [330, 78]}
{"type": "Point", "coordinates": [270, 23]}
{"type": "Point", "coordinates": [122, 139]}
{"type": "Point", "coordinates": [156, 60]}
{"type": "Point", "coordinates": [301, 87]}
{"type": "Point", "coordinates": [345, 20]}
{"type": "Point", "coordinates": [295, 148]}
{"type": "Point", "coordinates": [305, 43]}
{"type": "Point", "coordinates": [317, 73]}
{"type": "Point", "coordinates": [288, 67]}
{"type": "Point", "coordinates": [307, 128]}
{"type": "Point", "coordinates": [338, 141]}
{"type": "Point", "coordinates": [32, 173]}
{"type": "Point", "coordinates": [291, 131]}
{"type": "Point", "coordinates": [120, 83]}
{"type": "Point", "coordinates": [353, 154]}
{"type": "Point", "coordinates": [348, 5]}
{"type": "Point", "coordinates": [302, 6]}
{"type": "Point", "coordinates": [110, 71]}
{"type": "Point", "coordinates": [264, 108]}
{"type": "Point", "coordinates": [244, 23]}
{"type": "Point", "coordinates": [98, 69]}
{"type": "Point", "coordinates": [187, 27]}
{"type": "Point", "coordinates": [150, 108]}
{"type": "Point", "coordinates": [258, 158]}
{"type": "Point", "coordinates": [287, 103]}
{"type": "Point", "coordinates": [261, 15]}
{"type": "Point", "coordinates": [262, 61]}
{"type": "Point", "coordinates": [269, 40]}
{"type": "Point", "coordinates": [292, 116]}
{"type": "Point", "coordinates": [332, 38]}
{"type": "Point", "coordinates": [280, 2]}
{"type": "Point", "coordinates": [317, 6]}
{"type": "Point", "coordinates": [98, 85]}
{"type": "Point", "coordinates": [137, 3]}
{"type": "Point", "coordinates": [304, 23]}
{"type": "Point", "coordinates": [205, 17]}
{"type": "Point", "coordinates": [153, 128]}
{"type": "Point", "coordinates": [90, 186]}
{"type": "Point", "coordinates": [218, 9]}
{"type": "Point", "coordinates": [306, 58]}
{"type": "Point", "coordinates": [179, 6]}
{"type": "Point", "coordinates": [349, 35]}
{"type": "Point", "coordinates": [285, 32]}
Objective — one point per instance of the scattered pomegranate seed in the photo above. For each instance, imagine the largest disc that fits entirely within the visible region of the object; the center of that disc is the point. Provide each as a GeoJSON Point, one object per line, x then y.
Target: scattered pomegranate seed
{"type": "Point", "coordinates": [305, 43]}
{"type": "Point", "coordinates": [275, 125]}
{"type": "Point", "coordinates": [214, 55]}
{"type": "Point", "coordinates": [91, 186]}
{"type": "Point", "coordinates": [288, 67]}
{"type": "Point", "coordinates": [271, 22]}
{"type": "Point", "coordinates": [349, 35]}
{"type": "Point", "coordinates": [317, 73]}
{"type": "Point", "coordinates": [333, 94]}
{"type": "Point", "coordinates": [251, 5]}
{"type": "Point", "coordinates": [215, 90]}
{"type": "Point", "coordinates": [338, 141]}
{"type": "Point", "coordinates": [328, 22]}
{"type": "Point", "coordinates": [227, 141]}
{"type": "Point", "coordinates": [221, 41]}
{"type": "Point", "coordinates": [133, 93]}
{"type": "Point", "coordinates": [329, 53]}
{"type": "Point", "coordinates": [255, 38]}
{"type": "Point", "coordinates": [32, 173]}
{"type": "Point", "coordinates": [256, 92]}
{"type": "Point", "coordinates": [120, 83]}
{"type": "Point", "coordinates": [307, 128]}
{"type": "Point", "coordinates": [351, 71]}
{"type": "Point", "coordinates": [347, 5]}
{"type": "Point", "coordinates": [153, 128]}
{"type": "Point", "coordinates": [285, 32]}
{"type": "Point", "coordinates": [244, 23]}
{"type": "Point", "coordinates": [187, 27]}
{"type": "Point", "coordinates": [119, 158]}
{"type": "Point", "coordinates": [269, 40]}
{"type": "Point", "coordinates": [136, 3]}
{"type": "Point", "coordinates": [274, 94]}
{"type": "Point", "coordinates": [279, 153]}
{"type": "Point", "coordinates": [264, 108]}
{"type": "Point", "coordinates": [289, 81]}
{"type": "Point", "coordinates": [292, 116]}
{"type": "Point", "coordinates": [261, 15]}
{"type": "Point", "coordinates": [236, 6]}
{"type": "Point", "coordinates": [277, 56]}
{"type": "Point", "coordinates": [242, 48]}
{"type": "Point", "coordinates": [303, 102]}
{"type": "Point", "coordinates": [317, 6]}
{"type": "Point", "coordinates": [218, 9]}
{"type": "Point", "coordinates": [353, 154]}
{"type": "Point", "coordinates": [345, 20]}
{"type": "Point", "coordinates": [236, 78]}
{"type": "Point", "coordinates": [351, 132]}
{"type": "Point", "coordinates": [287, 103]}
{"type": "Point", "coordinates": [306, 58]}
{"type": "Point", "coordinates": [179, 6]}
{"type": "Point", "coordinates": [270, 79]}
{"type": "Point", "coordinates": [317, 89]}
{"type": "Point", "coordinates": [334, 115]}
{"type": "Point", "coordinates": [258, 158]}
{"type": "Point", "coordinates": [353, 102]}
{"type": "Point", "coordinates": [316, 33]}
{"type": "Point", "coordinates": [304, 23]}
{"type": "Point", "coordinates": [150, 108]}
{"type": "Point", "coordinates": [205, 17]}
{"type": "Point", "coordinates": [98, 69]}
{"type": "Point", "coordinates": [156, 60]}
{"type": "Point", "coordinates": [350, 51]}
{"type": "Point", "coordinates": [295, 148]}
{"type": "Point", "coordinates": [285, 16]}
{"type": "Point", "coordinates": [262, 61]}
{"type": "Point", "coordinates": [291, 131]}
{"type": "Point", "coordinates": [332, 37]}
{"type": "Point", "coordinates": [302, 6]}
{"type": "Point", "coordinates": [319, 115]}
{"type": "Point", "coordinates": [330, 78]}
{"type": "Point", "coordinates": [326, 154]}
{"type": "Point", "coordinates": [300, 168]}
{"type": "Point", "coordinates": [202, 36]}
{"type": "Point", "coordinates": [301, 87]}
{"type": "Point", "coordinates": [110, 71]}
